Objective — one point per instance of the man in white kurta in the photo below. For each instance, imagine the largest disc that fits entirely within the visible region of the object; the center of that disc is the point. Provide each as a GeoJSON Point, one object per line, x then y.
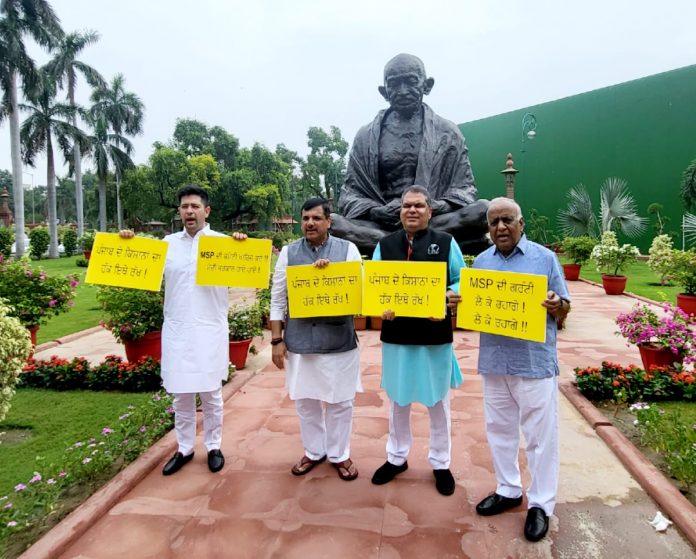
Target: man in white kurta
{"type": "Point", "coordinates": [320, 355]}
{"type": "Point", "coordinates": [195, 348]}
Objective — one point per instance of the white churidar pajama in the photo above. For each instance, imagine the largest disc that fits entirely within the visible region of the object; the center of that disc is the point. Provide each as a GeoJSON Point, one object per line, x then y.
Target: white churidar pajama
{"type": "Point", "coordinates": [531, 403]}
{"type": "Point", "coordinates": [399, 441]}
{"type": "Point", "coordinates": [323, 385]}
{"type": "Point", "coordinates": [195, 342]}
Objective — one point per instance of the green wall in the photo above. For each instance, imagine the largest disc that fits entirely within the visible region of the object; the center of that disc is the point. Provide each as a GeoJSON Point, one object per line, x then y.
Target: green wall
{"type": "Point", "coordinates": [643, 131]}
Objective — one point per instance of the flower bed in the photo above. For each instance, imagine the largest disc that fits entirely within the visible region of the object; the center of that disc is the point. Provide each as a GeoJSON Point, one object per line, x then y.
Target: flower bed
{"type": "Point", "coordinates": [112, 374]}
{"type": "Point", "coordinates": [117, 444]}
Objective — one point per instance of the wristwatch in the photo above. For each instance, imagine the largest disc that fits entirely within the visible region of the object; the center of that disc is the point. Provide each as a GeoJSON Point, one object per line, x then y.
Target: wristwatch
{"type": "Point", "coordinates": [276, 341]}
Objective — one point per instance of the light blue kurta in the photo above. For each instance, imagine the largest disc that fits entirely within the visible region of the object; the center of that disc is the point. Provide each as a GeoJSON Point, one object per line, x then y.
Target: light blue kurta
{"type": "Point", "coordinates": [422, 373]}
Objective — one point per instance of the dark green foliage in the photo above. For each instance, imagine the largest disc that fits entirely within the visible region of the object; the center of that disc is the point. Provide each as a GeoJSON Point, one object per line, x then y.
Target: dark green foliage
{"type": "Point", "coordinates": [688, 187]}
{"type": "Point", "coordinates": [70, 242]}
{"type": "Point", "coordinates": [38, 240]}
{"type": "Point", "coordinates": [82, 262]}
{"type": "Point", "coordinates": [6, 238]}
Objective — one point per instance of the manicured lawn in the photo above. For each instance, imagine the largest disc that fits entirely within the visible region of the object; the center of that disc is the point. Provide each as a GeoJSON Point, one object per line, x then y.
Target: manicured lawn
{"type": "Point", "coordinates": [41, 424]}
{"type": "Point", "coordinates": [641, 281]}
{"type": "Point", "coordinates": [86, 312]}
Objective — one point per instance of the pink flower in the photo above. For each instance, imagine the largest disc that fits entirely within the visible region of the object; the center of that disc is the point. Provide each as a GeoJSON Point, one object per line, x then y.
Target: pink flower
{"type": "Point", "coordinates": [37, 477]}
{"type": "Point", "coordinates": [124, 416]}
{"type": "Point", "coordinates": [11, 524]}
{"type": "Point", "coordinates": [52, 303]}
{"type": "Point", "coordinates": [62, 474]}
{"type": "Point", "coordinates": [28, 273]}
{"type": "Point", "coordinates": [50, 481]}
{"type": "Point", "coordinates": [7, 506]}
{"type": "Point", "coordinates": [73, 283]}
{"type": "Point", "coordinates": [142, 429]}
{"type": "Point", "coordinates": [86, 460]}
{"type": "Point", "coordinates": [20, 487]}
{"type": "Point", "coordinates": [107, 431]}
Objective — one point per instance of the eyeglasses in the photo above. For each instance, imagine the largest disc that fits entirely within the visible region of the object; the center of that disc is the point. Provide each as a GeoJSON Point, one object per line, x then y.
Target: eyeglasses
{"type": "Point", "coordinates": [507, 220]}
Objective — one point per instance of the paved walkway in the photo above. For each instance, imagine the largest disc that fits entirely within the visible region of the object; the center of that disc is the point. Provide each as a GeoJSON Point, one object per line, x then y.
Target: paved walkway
{"type": "Point", "coordinates": [255, 508]}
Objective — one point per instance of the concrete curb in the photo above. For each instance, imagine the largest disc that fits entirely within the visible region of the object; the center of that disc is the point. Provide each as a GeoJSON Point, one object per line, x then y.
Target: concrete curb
{"type": "Point", "coordinates": [57, 540]}
{"type": "Point", "coordinates": [68, 338]}
{"type": "Point", "coordinates": [668, 497]}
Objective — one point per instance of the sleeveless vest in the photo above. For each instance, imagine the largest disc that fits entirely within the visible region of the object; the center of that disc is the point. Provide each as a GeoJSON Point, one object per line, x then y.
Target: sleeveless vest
{"type": "Point", "coordinates": [322, 334]}
{"type": "Point", "coordinates": [428, 246]}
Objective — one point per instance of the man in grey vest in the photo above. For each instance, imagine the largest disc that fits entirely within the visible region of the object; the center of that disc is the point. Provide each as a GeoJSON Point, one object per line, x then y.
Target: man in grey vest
{"type": "Point", "coordinates": [320, 354]}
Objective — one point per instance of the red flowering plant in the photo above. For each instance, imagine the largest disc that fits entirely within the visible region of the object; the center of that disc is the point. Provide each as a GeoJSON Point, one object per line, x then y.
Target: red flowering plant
{"type": "Point", "coordinates": [131, 313]}
{"type": "Point", "coordinates": [32, 294]}
{"type": "Point", "coordinates": [673, 331]}
{"type": "Point", "coordinates": [55, 373]}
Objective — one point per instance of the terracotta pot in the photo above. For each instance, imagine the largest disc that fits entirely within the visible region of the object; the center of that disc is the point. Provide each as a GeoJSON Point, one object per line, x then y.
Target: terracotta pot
{"type": "Point", "coordinates": [360, 322]}
{"type": "Point", "coordinates": [614, 285]}
{"type": "Point", "coordinates": [375, 323]}
{"type": "Point", "coordinates": [86, 254]}
{"type": "Point", "coordinates": [571, 271]}
{"type": "Point", "coordinates": [239, 349]}
{"type": "Point", "coordinates": [32, 332]}
{"type": "Point", "coordinates": [687, 303]}
{"type": "Point", "coordinates": [653, 356]}
{"type": "Point", "coordinates": [150, 344]}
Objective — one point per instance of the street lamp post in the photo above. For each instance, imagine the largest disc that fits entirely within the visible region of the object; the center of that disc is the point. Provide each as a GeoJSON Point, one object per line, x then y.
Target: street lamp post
{"type": "Point", "coordinates": [509, 173]}
{"type": "Point", "coordinates": [529, 124]}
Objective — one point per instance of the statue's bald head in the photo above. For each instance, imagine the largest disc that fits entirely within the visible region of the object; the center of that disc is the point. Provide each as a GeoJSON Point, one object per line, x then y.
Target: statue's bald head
{"type": "Point", "coordinates": [405, 83]}
{"type": "Point", "coordinates": [404, 61]}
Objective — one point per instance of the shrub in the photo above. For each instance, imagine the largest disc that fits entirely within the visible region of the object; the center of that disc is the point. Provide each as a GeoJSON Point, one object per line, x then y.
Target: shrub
{"type": "Point", "coordinates": [578, 249]}
{"type": "Point", "coordinates": [131, 313]}
{"type": "Point", "coordinates": [55, 373]}
{"type": "Point", "coordinates": [6, 240]}
{"type": "Point", "coordinates": [70, 242]}
{"type": "Point", "coordinates": [610, 258]}
{"type": "Point", "coordinates": [81, 262]}
{"type": "Point", "coordinates": [15, 347]}
{"type": "Point", "coordinates": [32, 294]}
{"type": "Point", "coordinates": [39, 239]}
{"type": "Point", "coordinates": [660, 257]}
{"type": "Point", "coordinates": [683, 269]}
{"type": "Point", "coordinates": [244, 322]}
{"type": "Point", "coordinates": [86, 241]}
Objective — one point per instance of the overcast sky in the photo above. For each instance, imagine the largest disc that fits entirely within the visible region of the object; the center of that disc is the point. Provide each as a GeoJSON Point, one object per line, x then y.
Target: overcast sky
{"type": "Point", "coordinates": [268, 70]}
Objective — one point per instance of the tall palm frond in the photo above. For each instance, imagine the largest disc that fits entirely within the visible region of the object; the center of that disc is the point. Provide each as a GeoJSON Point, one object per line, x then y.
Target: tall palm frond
{"type": "Point", "coordinates": [577, 219]}
{"type": "Point", "coordinates": [689, 229]}
{"type": "Point", "coordinates": [123, 110]}
{"type": "Point", "coordinates": [618, 209]}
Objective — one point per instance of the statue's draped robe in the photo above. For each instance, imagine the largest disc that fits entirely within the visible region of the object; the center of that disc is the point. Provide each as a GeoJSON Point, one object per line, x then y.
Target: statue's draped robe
{"type": "Point", "coordinates": [443, 166]}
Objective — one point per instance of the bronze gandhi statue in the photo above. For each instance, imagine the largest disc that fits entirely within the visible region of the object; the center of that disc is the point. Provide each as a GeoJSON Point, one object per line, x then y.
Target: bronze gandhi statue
{"type": "Point", "coordinates": [404, 145]}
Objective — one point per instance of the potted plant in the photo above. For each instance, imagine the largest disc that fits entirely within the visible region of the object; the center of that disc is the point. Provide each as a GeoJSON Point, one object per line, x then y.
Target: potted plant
{"type": "Point", "coordinates": [612, 259]}
{"type": "Point", "coordinates": [579, 250]}
{"type": "Point", "coordinates": [682, 270]}
{"type": "Point", "coordinates": [135, 318]}
{"type": "Point", "coordinates": [662, 341]}
{"type": "Point", "coordinates": [34, 295]}
{"type": "Point", "coordinates": [245, 324]}
{"type": "Point", "coordinates": [86, 242]}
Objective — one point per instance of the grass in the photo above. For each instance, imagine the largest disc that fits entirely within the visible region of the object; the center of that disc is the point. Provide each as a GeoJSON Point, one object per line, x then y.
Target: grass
{"type": "Point", "coordinates": [641, 281]}
{"type": "Point", "coordinates": [86, 312]}
{"type": "Point", "coordinates": [41, 424]}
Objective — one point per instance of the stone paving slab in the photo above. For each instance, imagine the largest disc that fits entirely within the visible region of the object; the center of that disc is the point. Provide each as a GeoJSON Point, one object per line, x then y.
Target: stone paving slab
{"type": "Point", "coordinates": [255, 508]}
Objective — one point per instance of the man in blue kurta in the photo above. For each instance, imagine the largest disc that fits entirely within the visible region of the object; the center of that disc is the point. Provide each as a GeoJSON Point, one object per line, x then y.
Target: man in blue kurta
{"type": "Point", "coordinates": [520, 379]}
{"type": "Point", "coordinates": [418, 363]}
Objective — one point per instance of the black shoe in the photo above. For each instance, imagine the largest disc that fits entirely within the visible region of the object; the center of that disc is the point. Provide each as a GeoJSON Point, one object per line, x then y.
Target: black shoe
{"type": "Point", "coordinates": [495, 504]}
{"type": "Point", "coordinates": [175, 463]}
{"type": "Point", "coordinates": [536, 525]}
{"type": "Point", "coordinates": [215, 460]}
{"type": "Point", "coordinates": [444, 482]}
{"type": "Point", "coordinates": [387, 472]}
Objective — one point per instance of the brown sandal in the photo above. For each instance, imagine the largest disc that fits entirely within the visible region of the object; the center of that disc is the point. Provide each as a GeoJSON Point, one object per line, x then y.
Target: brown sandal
{"type": "Point", "coordinates": [346, 469]}
{"type": "Point", "coordinates": [305, 465]}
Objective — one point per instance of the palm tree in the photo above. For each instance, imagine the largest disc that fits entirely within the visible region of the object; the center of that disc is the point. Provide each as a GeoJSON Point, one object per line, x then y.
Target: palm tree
{"type": "Point", "coordinates": [19, 18]}
{"type": "Point", "coordinates": [48, 119]}
{"type": "Point", "coordinates": [107, 149]}
{"type": "Point", "coordinates": [65, 66]}
{"type": "Point", "coordinates": [123, 112]}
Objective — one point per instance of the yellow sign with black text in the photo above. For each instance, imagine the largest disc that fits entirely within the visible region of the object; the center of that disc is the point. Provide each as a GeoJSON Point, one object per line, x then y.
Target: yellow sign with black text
{"type": "Point", "coordinates": [414, 289]}
{"type": "Point", "coordinates": [331, 291]}
{"type": "Point", "coordinates": [225, 261]}
{"type": "Point", "coordinates": [503, 303]}
{"type": "Point", "coordinates": [137, 263]}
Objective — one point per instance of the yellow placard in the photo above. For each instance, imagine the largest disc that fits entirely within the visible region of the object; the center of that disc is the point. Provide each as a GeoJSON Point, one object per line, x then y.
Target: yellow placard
{"type": "Point", "coordinates": [415, 289]}
{"type": "Point", "coordinates": [228, 262]}
{"type": "Point", "coordinates": [504, 303]}
{"type": "Point", "coordinates": [331, 291]}
{"type": "Point", "coordinates": [136, 262]}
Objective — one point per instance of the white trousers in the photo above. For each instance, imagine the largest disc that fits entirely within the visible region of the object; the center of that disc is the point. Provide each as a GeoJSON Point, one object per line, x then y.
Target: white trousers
{"type": "Point", "coordinates": [185, 420]}
{"type": "Point", "coordinates": [514, 402]}
{"type": "Point", "coordinates": [325, 428]}
{"type": "Point", "coordinates": [399, 441]}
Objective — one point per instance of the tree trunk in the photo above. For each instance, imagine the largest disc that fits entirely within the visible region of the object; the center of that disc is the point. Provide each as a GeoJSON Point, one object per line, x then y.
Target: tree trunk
{"type": "Point", "coordinates": [102, 203]}
{"type": "Point", "coordinates": [119, 208]}
{"type": "Point", "coordinates": [17, 187]}
{"type": "Point", "coordinates": [79, 200]}
{"type": "Point", "coordinates": [51, 194]}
